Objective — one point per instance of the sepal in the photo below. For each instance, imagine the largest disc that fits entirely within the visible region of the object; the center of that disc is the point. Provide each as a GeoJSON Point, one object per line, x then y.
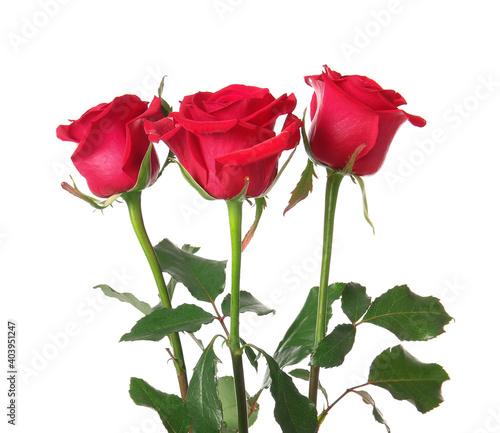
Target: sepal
{"type": "Point", "coordinates": [260, 205]}
{"type": "Point", "coordinates": [304, 186]}
{"type": "Point", "coordinates": [144, 177]}
{"type": "Point", "coordinates": [192, 182]}
{"type": "Point", "coordinates": [166, 108]}
{"type": "Point", "coordinates": [94, 202]}
{"type": "Point", "coordinates": [361, 184]}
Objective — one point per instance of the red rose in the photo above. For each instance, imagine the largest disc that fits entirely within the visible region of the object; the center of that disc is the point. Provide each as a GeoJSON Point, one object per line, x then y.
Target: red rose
{"type": "Point", "coordinates": [222, 138]}
{"type": "Point", "coordinates": [347, 111]}
{"type": "Point", "coordinates": [112, 144]}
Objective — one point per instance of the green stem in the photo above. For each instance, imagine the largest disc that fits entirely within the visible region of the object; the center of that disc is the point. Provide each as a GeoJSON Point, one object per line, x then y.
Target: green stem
{"type": "Point", "coordinates": [133, 200]}
{"type": "Point", "coordinates": [235, 217]}
{"type": "Point", "coordinates": [332, 188]}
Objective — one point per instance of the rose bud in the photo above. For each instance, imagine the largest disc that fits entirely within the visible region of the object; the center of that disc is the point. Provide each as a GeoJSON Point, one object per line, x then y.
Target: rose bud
{"type": "Point", "coordinates": [351, 111]}
{"type": "Point", "coordinates": [112, 144]}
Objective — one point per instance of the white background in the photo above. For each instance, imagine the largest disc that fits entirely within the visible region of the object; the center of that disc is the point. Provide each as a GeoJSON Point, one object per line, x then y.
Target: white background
{"type": "Point", "coordinates": [434, 203]}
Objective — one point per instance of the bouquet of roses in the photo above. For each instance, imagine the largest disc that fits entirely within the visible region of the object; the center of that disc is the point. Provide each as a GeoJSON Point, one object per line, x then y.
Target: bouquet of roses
{"type": "Point", "coordinates": [226, 147]}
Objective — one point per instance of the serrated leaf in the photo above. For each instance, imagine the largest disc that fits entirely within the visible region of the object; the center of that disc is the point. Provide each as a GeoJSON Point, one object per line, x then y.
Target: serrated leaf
{"type": "Point", "coordinates": [331, 351]}
{"type": "Point", "coordinates": [355, 301]}
{"type": "Point", "coordinates": [202, 400]}
{"type": "Point", "coordinates": [128, 298]}
{"type": "Point", "coordinates": [160, 323]}
{"type": "Point", "coordinates": [260, 205]}
{"type": "Point", "coordinates": [407, 315]}
{"type": "Point", "coordinates": [367, 398]}
{"type": "Point", "coordinates": [229, 409]}
{"type": "Point", "coordinates": [406, 378]}
{"type": "Point", "coordinates": [302, 373]}
{"type": "Point", "coordinates": [173, 282]}
{"type": "Point", "coordinates": [298, 341]}
{"type": "Point", "coordinates": [247, 304]}
{"type": "Point", "coordinates": [304, 186]}
{"type": "Point", "coordinates": [171, 408]}
{"type": "Point", "coordinates": [205, 279]}
{"type": "Point", "coordinates": [294, 412]}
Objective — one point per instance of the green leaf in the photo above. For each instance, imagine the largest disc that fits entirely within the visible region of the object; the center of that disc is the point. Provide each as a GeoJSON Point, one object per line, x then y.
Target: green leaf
{"type": "Point", "coordinates": [160, 323]}
{"type": "Point", "coordinates": [406, 378]}
{"type": "Point", "coordinates": [202, 400]}
{"type": "Point", "coordinates": [302, 373]}
{"type": "Point", "coordinates": [229, 409]}
{"type": "Point", "coordinates": [173, 282]}
{"type": "Point", "coordinates": [332, 350]}
{"type": "Point", "coordinates": [128, 298]}
{"type": "Point", "coordinates": [407, 315]}
{"type": "Point", "coordinates": [198, 342]}
{"type": "Point", "coordinates": [304, 186]}
{"type": "Point", "coordinates": [294, 412]}
{"type": "Point", "coordinates": [204, 278]}
{"type": "Point", "coordinates": [367, 398]}
{"type": "Point", "coordinates": [260, 204]}
{"type": "Point", "coordinates": [190, 249]}
{"type": "Point", "coordinates": [170, 289]}
{"type": "Point", "coordinates": [171, 408]}
{"type": "Point", "coordinates": [361, 183]}
{"type": "Point", "coordinates": [252, 357]}
{"type": "Point", "coordinates": [298, 341]}
{"type": "Point", "coordinates": [355, 301]}
{"type": "Point", "coordinates": [291, 355]}
{"type": "Point", "coordinates": [247, 303]}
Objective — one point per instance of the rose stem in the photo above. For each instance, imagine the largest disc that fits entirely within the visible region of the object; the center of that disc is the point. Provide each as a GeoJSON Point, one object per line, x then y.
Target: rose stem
{"type": "Point", "coordinates": [133, 200]}
{"type": "Point", "coordinates": [332, 188]}
{"type": "Point", "coordinates": [235, 216]}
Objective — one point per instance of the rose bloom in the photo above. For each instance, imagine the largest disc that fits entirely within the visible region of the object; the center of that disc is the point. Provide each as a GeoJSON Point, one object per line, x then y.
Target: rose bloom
{"type": "Point", "coordinates": [112, 144]}
{"type": "Point", "coordinates": [226, 137]}
{"type": "Point", "coordinates": [348, 111]}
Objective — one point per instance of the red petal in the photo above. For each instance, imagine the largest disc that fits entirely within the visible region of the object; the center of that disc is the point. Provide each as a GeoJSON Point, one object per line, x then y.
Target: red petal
{"type": "Point", "coordinates": [201, 128]}
{"type": "Point", "coordinates": [415, 120]}
{"type": "Point", "coordinates": [137, 143]}
{"type": "Point", "coordinates": [156, 130]}
{"type": "Point", "coordinates": [267, 116]}
{"type": "Point", "coordinates": [389, 123]}
{"type": "Point", "coordinates": [339, 126]}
